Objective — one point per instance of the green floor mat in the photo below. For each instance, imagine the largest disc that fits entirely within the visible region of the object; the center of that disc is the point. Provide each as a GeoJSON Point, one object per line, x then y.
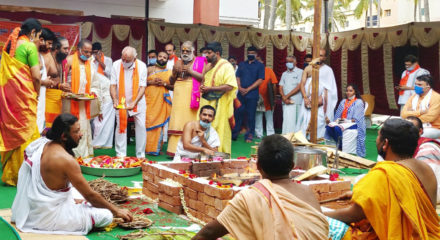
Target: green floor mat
{"type": "Point", "coordinates": [7, 231]}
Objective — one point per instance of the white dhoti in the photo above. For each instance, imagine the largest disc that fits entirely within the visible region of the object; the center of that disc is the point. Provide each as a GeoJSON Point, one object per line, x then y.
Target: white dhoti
{"type": "Point", "coordinates": [290, 118]}
{"type": "Point", "coordinates": [38, 209]}
{"type": "Point", "coordinates": [85, 147]}
{"type": "Point", "coordinates": [140, 133]}
{"type": "Point", "coordinates": [104, 130]}
{"type": "Point", "coordinates": [41, 109]}
{"type": "Point", "coordinates": [259, 123]}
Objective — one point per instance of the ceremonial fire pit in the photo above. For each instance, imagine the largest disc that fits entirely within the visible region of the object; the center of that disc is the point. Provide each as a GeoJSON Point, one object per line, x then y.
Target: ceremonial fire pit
{"type": "Point", "coordinates": [203, 189]}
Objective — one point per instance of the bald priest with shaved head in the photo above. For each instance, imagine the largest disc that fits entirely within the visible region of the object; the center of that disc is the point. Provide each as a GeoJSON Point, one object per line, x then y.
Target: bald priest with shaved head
{"type": "Point", "coordinates": [127, 88]}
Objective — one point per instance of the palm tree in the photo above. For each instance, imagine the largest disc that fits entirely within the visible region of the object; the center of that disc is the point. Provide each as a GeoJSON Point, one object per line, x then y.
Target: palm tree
{"type": "Point", "coordinates": [288, 14]}
{"type": "Point", "coordinates": [292, 15]}
{"type": "Point", "coordinates": [273, 16]}
{"type": "Point", "coordinates": [266, 18]}
{"type": "Point", "coordinates": [336, 13]}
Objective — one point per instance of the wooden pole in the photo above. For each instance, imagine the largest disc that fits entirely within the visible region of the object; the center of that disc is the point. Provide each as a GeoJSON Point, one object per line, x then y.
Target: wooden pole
{"type": "Point", "coordinates": [315, 71]}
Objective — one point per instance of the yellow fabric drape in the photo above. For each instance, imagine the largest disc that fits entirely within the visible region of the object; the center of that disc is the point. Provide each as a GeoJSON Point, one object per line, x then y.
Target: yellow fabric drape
{"type": "Point", "coordinates": [395, 203]}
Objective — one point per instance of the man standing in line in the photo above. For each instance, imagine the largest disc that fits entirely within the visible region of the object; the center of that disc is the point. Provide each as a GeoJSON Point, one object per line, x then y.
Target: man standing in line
{"type": "Point", "coordinates": [290, 90]}
{"type": "Point", "coordinates": [219, 90]}
{"type": "Point", "coordinates": [152, 58]}
{"type": "Point", "coordinates": [406, 85]}
{"type": "Point", "coordinates": [83, 80]}
{"type": "Point", "coordinates": [127, 89]}
{"type": "Point", "coordinates": [233, 61]}
{"type": "Point", "coordinates": [104, 125]}
{"type": "Point", "coordinates": [172, 58]}
{"type": "Point", "coordinates": [158, 101]}
{"type": "Point", "coordinates": [250, 75]}
{"type": "Point", "coordinates": [266, 103]}
{"type": "Point", "coordinates": [57, 60]}
{"type": "Point", "coordinates": [186, 78]}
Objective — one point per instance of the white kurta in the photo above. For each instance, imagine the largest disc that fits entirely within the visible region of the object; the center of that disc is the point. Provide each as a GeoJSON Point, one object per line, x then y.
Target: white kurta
{"type": "Point", "coordinates": [85, 147]}
{"type": "Point", "coordinates": [38, 209]}
{"type": "Point", "coordinates": [41, 107]}
{"type": "Point", "coordinates": [212, 139]}
{"type": "Point", "coordinates": [139, 116]}
{"type": "Point", "coordinates": [289, 81]}
{"type": "Point", "coordinates": [104, 130]}
{"type": "Point", "coordinates": [108, 66]}
{"type": "Point", "coordinates": [410, 83]}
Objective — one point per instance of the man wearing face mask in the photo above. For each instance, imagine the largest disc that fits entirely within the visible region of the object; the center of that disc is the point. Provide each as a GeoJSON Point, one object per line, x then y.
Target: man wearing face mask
{"type": "Point", "coordinates": [83, 80]}
{"type": "Point", "coordinates": [250, 75]}
{"type": "Point", "coordinates": [128, 82]}
{"type": "Point", "coordinates": [202, 52]}
{"type": "Point", "coordinates": [290, 90]}
{"type": "Point", "coordinates": [152, 58]}
{"type": "Point", "coordinates": [307, 59]}
{"type": "Point", "coordinates": [219, 90]}
{"type": "Point", "coordinates": [406, 85]}
{"type": "Point", "coordinates": [397, 198]}
{"type": "Point", "coordinates": [158, 101]}
{"type": "Point", "coordinates": [102, 64]}
{"type": "Point", "coordinates": [198, 136]}
{"type": "Point", "coordinates": [57, 60]}
{"type": "Point", "coordinates": [425, 104]}
{"type": "Point", "coordinates": [186, 78]}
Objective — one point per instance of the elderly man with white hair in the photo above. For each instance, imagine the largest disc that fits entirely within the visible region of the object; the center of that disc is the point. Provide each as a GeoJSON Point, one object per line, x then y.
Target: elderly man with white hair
{"type": "Point", "coordinates": [127, 88]}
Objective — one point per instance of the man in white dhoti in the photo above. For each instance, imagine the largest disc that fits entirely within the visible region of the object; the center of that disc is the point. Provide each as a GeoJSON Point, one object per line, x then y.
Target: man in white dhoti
{"type": "Point", "coordinates": [104, 125]}
{"type": "Point", "coordinates": [127, 88]}
{"type": "Point", "coordinates": [327, 95]}
{"type": "Point", "coordinates": [44, 201]}
{"type": "Point", "coordinates": [83, 80]}
{"type": "Point", "coordinates": [198, 136]}
{"type": "Point", "coordinates": [290, 90]}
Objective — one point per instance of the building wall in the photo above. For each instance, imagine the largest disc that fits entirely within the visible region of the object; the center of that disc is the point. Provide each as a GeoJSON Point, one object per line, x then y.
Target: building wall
{"type": "Point", "coordinates": [239, 12]}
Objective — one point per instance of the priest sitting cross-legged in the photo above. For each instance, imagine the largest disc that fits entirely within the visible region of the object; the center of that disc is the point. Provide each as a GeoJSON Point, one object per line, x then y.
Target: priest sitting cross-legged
{"type": "Point", "coordinates": [198, 137]}
{"type": "Point", "coordinates": [274, 208]}
{"type": "Point", "coordinates": [44, 202]}
{"type": "Point", "coordinates": [397, 198]}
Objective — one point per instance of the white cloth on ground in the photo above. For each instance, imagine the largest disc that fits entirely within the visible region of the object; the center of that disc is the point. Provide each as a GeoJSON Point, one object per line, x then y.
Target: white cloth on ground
{"type": "Point", "coordinates": [212, 139]}
{"type": "Point", "coordinates": [41, 106]}
{"type": "Point", "coordinates": [259, 123]}
{"type": "Point", "coordinates": [38, 209]}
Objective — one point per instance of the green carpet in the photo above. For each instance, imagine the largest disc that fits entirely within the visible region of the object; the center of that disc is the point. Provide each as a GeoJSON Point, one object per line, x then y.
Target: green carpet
{"type": "Point", "coordinates": [239, 148]}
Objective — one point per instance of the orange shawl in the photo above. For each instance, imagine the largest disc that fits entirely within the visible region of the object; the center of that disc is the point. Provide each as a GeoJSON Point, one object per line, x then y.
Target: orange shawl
{"type": "Point", "coordinates": [404, 80]}
{"type": "Point", "coordinates": [100, 69]}
{"type": "Point", "coordinates": [347, 106]}
{"type": "Point", "coordinates": [74, 105]}
{"type": "Point", "coordinates": [121, 93]}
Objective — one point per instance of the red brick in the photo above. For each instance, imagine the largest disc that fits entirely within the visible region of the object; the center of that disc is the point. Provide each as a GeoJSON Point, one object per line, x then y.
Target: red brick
{"type": "Point", "coordinates": [148, 176]}
{"type": "Point", "coordinates": [220, 204]}
{"type": "Point", "coordinates": [238, 164]}
{"type": "Point", "coordinates": [171, 208]}
{"type": "Point", "coordinates": [190, 193]}
{"type": "Point", "coordinates": [340, 186]}
{"type": "Point", "coordinates": [221, 193]}
{"type": "Point", "coordinates": [149, 193]}
{"type": "Point", "coordinates": [208, 200]}
{"type": "Point", "coordinates": [227, 171]}
{"type": "Point", "coordinates": [157, 179]}
{"type": "Point", "coordinates": [207, 219]}
{"type": "Point", "coordinates": [211, 211]}
{"type": "Point", "coordinates": [172, 200]}
{"type": "Point", "coordinates": [225, 164]}
{"type": "Point", "coordinates": [177, 165]}
{"type": "Point", "coordinates": [152, 187]}
{"type": "Point", "coordinates": [169, 190]}
{"type": "Point", "coordinates": [320, 187]}
{"type": "Point", "coordinates": [201, 196]}
{"type": "Point", "coordinates": [329, 195]}
{"type": "Point", "coordinates": [200, 206]}
{"type": "Point", "coordinates": [180, 179]}
{"type": "Point", "coordinates": [154, 170]}
{"type": "Point", "coordinates": [164, 173]}
{"type": "Point", "coordinates": [144, 167]}
{"type": "Point", "coordinates": [199, 187]}
{"type": "Point", "coordinates": [196, 213]}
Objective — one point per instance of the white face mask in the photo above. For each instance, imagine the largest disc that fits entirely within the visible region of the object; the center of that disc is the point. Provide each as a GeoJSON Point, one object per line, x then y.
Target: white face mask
{"type": "Point", "coordinates": [127, 65]}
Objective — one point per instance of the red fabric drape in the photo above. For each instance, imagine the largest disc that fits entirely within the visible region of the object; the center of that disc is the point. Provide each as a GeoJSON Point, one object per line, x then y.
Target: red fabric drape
{"type": "Point", "coordinates": [159, 46]}
{"type": "Point", "coordinates": [117, 47]}
{"type": "Point", "coordinates": [354, 69]}
{"type": "Point", "coordinates": [429, 59]}
{"type": "Point", "coordinates": [262, 54]}
{"type": "Point", "coordinates": [335, 64]}
{"type": "Point", "coordinates": [102, 30]}
{"type": "Point", "coordinates": [279, 61]}
{"type": "Point", "coordinates": [237, 52]}
{"type": "Point", "coordinates": [299, 58]}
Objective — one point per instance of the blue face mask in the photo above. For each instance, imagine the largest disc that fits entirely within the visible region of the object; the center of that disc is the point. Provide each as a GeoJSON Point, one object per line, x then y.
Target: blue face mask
{"type": "Point", "coordinates": [289, 65]}
{"type": "Point", "coordinates": [251, 57]}
{"type": "Point", "coordinates": [410, 68]}
{"type": "Point", "coordinates": [418, 90]}
{"type": "Point", "coordinates": [152, 61]}
{"type": "Point", "coordinates": [83, 57]}
{"type": "Point", "coordinates": [204, 124]}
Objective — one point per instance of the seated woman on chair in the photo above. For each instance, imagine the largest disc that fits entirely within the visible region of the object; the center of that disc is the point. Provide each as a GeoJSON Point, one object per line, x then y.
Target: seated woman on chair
{"type": "Point", "coordinates": [349, 123]}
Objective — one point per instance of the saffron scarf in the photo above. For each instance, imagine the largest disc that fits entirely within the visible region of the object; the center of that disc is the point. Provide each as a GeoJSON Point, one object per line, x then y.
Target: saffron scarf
{"type": "Point", "coordinates": [74, 105]}
{"type": "Point", "coordinates": [122, 112]}
{"type": "Point", "coordinates": [347, 106]}
{"type": "Point", "coordinates": [100, 69]}
{"type": "Point", "coordinates": [404, 80]}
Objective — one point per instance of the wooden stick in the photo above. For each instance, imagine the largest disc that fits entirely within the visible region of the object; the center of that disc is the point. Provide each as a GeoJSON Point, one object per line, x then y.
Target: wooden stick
{"type": "Point", "coordinates": [315, 71]}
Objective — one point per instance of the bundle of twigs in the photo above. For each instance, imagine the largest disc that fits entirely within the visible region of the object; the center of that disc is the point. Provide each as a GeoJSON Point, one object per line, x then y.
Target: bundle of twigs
{"type": "Point", "coordinates": [137, 223]}
{"type": "Point", "coordinates": [141, 234]}
{"type": "Point", "coordinates": [110, 191]}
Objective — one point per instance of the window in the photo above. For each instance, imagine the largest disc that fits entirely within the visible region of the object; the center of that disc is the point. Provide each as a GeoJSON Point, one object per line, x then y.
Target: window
{"type": "Point", "coordinates": [422, 12]}
{"type": "Point", "coordinates": [388, 12]}
{"type": "Point", "coordinates": [374, 22]}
